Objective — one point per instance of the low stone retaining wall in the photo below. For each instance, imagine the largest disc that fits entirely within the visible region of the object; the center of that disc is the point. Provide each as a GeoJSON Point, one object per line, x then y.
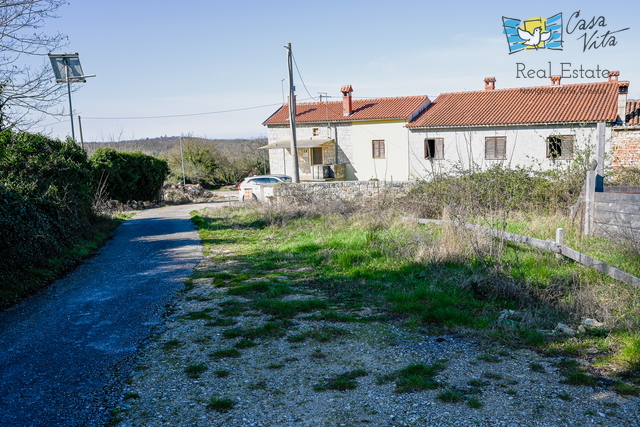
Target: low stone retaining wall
{"type": "Point", "coordinates": [306, 192]}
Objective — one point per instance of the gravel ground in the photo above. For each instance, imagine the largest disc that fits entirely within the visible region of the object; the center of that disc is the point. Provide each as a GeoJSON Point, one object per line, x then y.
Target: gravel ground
{"type": "Point", "coordinates": [272, 383]}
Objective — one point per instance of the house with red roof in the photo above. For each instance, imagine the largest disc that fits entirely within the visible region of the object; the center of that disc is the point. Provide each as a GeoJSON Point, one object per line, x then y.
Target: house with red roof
{"type": "Point", "coordinates": [406, 138]}
{"type": "Point", "coordinates": [351, 139]}
{"type": "Point", "coordinates": [532, 126]}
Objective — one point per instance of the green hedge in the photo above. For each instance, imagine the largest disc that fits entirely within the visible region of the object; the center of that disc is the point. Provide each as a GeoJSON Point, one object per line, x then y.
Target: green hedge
{"type": "Point", "coordinates": [129, 176]}
{"type": "Point", "coordinates": [46, 192]}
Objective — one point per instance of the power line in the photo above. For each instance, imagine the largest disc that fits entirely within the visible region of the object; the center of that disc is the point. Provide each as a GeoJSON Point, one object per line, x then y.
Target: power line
{"type": "Point", "coordinates": [181, 115]}
{"type": "Point", "coordinates": [299, 75]}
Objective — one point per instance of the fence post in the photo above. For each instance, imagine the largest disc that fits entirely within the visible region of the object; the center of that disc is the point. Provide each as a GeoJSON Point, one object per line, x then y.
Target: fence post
{"type": "Point", "coordinates": [559, 240]}
{"type": "Point", "coordinates": [599, 184]}
{"type": "Point", "coordinates": [589, 205]}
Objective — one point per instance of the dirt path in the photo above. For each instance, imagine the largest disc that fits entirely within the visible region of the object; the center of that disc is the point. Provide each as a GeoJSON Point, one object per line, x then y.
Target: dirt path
{"type": "Point", "coordinates": [65, 352]}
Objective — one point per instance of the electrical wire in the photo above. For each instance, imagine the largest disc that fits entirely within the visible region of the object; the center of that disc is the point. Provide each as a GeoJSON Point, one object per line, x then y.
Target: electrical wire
{"type": "Point", "coordinates": [181, 115]}
{"type": "Point", "coordinates": [301, 79]}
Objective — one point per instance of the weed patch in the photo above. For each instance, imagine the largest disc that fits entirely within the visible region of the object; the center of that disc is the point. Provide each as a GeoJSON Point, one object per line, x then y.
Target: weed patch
{"type": "Point", "coordinates": [225, 353]}
{"type": "Point", "coordinates": [342, 382]}
{"type": "Point", "coordinates": [194, 371]}
{"type": "Point", "coordinates": [220, 404]}
{"type": "Point", "coordinates": [289, 309]}
{"type": "Point", "coordinates": [418, 377]}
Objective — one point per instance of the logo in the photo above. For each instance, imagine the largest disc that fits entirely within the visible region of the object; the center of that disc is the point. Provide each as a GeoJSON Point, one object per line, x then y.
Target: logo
{"type": "Point", "coordinates": [533, 33]}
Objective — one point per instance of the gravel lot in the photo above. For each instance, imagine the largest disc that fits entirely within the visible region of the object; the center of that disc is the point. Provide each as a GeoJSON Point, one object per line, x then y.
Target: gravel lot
{"type": "Point", "coordinates": [286, 378]}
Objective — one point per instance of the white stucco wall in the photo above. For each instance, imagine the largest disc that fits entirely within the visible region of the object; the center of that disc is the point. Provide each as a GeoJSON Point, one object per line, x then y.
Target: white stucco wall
{"type": "Point", "coordinates": [395, 165]}
{"type": "Point", "coordinates": [526, 146]}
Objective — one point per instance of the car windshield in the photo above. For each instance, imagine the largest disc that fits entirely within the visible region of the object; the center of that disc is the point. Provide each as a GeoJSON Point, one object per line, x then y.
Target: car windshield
{"type": "Point", "coordinates": [285, 179]}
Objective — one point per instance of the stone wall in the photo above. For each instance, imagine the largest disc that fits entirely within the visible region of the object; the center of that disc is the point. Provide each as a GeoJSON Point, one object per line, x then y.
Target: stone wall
{"type": "Point", "coordinates": [308, 192]}
{"type": "Point", "coordinates": [626, 147]}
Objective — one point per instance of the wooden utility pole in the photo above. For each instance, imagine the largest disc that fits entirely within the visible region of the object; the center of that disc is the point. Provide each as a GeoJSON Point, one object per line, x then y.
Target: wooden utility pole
{"type": "Point", "coordinates": [295, 175]}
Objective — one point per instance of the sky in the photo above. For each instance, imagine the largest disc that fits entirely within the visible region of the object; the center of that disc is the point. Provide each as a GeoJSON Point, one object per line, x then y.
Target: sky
{"type": "Point", "coordinates": [199, 67]}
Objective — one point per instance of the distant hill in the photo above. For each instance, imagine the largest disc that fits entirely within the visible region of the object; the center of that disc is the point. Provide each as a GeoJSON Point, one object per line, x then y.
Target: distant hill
{"type": "Point", "coordinates": [162, 146]}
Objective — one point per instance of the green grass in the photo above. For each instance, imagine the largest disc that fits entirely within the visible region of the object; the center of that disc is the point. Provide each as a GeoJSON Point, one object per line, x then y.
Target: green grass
{"type": "Point", "coordinates": [204, 314]}
{"type": "Point", "coordinates": [245, 343]}
{"type": "Point", "coordinates": [194, 371]}
{"type": "Point", "coordinates": [574, 373]}
{"type": "Point", "coordinates": [225, 353]}
{"type": "Point", "coordinates": [451, 396]}
{"type": "Point", "coordinates": [222, 373]}
{"type": "Point", "coordinates": [289, 309]}
{"type": "Point", "coordinates": [342, 382]}
{"type": "Point", "coordinates": [537, 367]}
{"type": "Point", "coordinates": [361, 262]}
{"type": "Point", "coordinates": [417, 377]}
{"type": "Point", "coordinates": [322, 334]}
{"type": "Point", "coordinates": [220, 404]}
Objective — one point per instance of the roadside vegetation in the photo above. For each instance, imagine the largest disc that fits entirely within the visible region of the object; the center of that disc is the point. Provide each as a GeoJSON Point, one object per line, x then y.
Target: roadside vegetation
{"type": "Point", "coordinates": [372, 258]}
{"type": "Point", "coordinates": [210, 163]}
{"type": "Point", "coordinates": [51, 200]}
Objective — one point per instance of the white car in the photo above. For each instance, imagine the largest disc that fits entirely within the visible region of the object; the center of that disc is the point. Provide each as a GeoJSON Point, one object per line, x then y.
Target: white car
{"type": "Point", "coordinates": [249, 188]}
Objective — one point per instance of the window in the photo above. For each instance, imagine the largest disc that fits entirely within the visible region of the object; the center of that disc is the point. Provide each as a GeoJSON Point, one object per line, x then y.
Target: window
{"type": "Point", "coordinates": [316, 132]}
{"type": "Point", "coordinates": [560, 146]}
{"type": "Point", "coordinates": [495, 147]}
{"type": "Point", "coordinates": [378, 149]}
{"type": "Point", "coordinates": [316, 156]}
{"type": "Point", "coordinates": [434, 148]}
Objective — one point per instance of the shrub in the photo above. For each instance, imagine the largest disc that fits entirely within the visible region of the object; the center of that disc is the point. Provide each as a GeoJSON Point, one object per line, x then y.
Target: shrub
{"type": "Point", "coordinates": [46, 190]}
{"type": "Point", "coordinates": [129, 176]}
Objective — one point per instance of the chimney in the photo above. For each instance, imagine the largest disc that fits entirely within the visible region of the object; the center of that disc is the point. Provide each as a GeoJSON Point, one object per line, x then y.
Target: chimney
{"type": "Point", "coordinates": [489, 83]}
{"type": "Point", "coordinates": [623, 90]}
{"type": "Point", "coordinates": [555, 80]}
{"type": "Point", "coordinates": [613, 76]}
{"type": "Point", "coordinates": [347, 105]}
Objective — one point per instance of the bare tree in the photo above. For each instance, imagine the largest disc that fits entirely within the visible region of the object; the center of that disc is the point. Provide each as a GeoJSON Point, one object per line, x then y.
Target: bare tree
{"type": "Point", "coordinates": [27, 92]}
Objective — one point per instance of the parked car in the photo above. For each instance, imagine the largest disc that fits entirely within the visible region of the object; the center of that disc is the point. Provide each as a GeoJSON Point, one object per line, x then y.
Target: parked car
{"type": "Point", "coordinates": [249, 188]}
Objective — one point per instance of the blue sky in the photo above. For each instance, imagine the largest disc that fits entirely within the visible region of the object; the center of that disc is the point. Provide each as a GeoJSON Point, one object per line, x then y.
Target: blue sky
{"type": "Point", "coordinates": [196, 56]}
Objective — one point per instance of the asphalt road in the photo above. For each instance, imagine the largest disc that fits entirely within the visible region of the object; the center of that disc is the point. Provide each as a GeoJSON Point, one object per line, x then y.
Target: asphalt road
{"type": "Point", "coordinates": [65, 352]}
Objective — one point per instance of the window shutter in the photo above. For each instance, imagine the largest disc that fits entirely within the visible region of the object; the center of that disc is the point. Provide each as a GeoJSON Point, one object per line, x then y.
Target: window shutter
{"type": "Point", "coordinates": [501, 148]}
{"type": "Point", "coordinates": [439, 151]}
{"type": "Point", "coordinates": [567, 146]}
{"type": "Point", "coordinates": [489, 148]}
{"type": "Point", "coordinates": [378, 148]}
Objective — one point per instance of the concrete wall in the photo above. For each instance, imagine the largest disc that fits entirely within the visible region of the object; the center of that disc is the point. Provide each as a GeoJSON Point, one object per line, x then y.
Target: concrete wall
{"type": "Point", "coordinates": [626, 147]}
{"type": "Point", "coordinates": [617, 214]}
{"type": "Point", "coordinates": [526, 146]}
{"type": "Point", "coordinates": [307, 192]}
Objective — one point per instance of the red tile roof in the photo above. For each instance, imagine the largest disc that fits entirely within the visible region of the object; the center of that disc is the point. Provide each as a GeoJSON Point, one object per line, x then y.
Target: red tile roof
{"type": "Point", "coordinates": [587, 102]}
{"type": "Point", "coordinates": [363, 109]}
{"type": "Point", "coordinates": [633, 112]}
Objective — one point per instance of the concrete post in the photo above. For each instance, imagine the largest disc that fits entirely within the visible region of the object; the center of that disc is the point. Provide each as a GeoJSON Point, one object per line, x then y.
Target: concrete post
{"type": "Point", "coordinates": [599, 185]}
{"type": "Point", "coordinates": [559, 240]}
{"type": "Point", "coordinates": [589, 205]}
